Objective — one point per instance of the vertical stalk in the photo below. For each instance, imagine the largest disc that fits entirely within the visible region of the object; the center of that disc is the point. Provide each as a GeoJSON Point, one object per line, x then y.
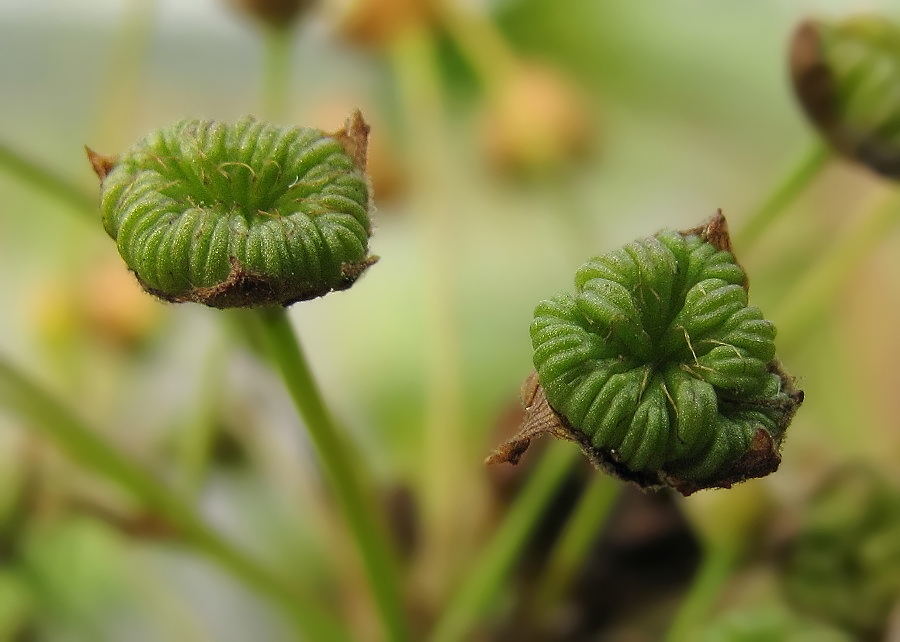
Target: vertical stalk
{"type": "Point", "coordinates": [580, 533]}
{"type": "Point", "coordinates": [340, 469]}
{"type": "Point", "coordinates": [124, 72]}
{"type": "Point", "coordinates": [198, 433]}
{"type": "Point", "coordinates": [445, 483]}
{"type": "Point", "coordinates": [718, 561]}
{"type": "Point", "coordinates": [41, 411]}
{"type": "Point", "coordinates": [485, 48]}
{"type": "Point", "coordinates": [811, 294]}
{"type": "Point", "coordinates": [807, 167]}
{"type": "Point", "coordinates": [277, 72]}
{"type": "Point", "coordinates": [485, 579]}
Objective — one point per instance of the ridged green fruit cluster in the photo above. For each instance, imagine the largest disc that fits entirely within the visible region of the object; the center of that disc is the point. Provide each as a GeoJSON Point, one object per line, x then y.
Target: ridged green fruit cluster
{"type": "Point", "coordinates": [658, 367]}
{"type": "Point", "coordinates": [240, 215]}
{"type": "Point", "coordinates": [846, 76]}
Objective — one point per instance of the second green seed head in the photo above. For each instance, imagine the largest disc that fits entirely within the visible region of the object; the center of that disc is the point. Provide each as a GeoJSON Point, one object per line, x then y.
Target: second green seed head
{"type": "Point", "coordinates": [241, 215]}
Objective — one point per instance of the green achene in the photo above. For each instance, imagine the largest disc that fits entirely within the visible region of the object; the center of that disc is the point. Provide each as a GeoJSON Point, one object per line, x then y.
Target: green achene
{"type": "Point", "coordinates": [240, 215]}
{"type": "Point", "coordinates": [659, 368]}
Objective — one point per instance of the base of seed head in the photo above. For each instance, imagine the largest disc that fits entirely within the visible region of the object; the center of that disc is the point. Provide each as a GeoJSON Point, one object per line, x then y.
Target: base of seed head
{"type": "Point", "coordinates": [760, 456]}
{"type": "Point", "coordinates": [241, 215]}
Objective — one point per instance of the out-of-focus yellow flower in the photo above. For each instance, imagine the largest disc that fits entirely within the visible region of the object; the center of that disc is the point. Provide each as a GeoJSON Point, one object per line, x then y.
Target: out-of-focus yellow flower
{"type": "Point", "coordinates": [376, 23]}
{"type": "Point", "coordinates": [536, 123]}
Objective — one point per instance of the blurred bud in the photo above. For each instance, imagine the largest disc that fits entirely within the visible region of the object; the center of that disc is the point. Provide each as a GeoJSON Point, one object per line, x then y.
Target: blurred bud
{"type": "Point", "coordinates": [844, 564]}
{"type": "Point", "coordinates": [846, 76]}
{"type": "Point", "coordinates": [114, 307]}
{"type": "Point", "coordinates": [53, 313]}
{"type": "Point", "coordinates": [376, 23]}
{"type": "Point", "coordinates": [537, 123]}
{"type": "Point", "coordinates": [278, 14]}
{"type": "Point", "coordinates": [103, 303]}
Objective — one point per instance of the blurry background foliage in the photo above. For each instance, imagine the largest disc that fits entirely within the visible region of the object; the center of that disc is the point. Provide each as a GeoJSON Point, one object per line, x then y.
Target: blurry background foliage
{"type": "Point", "coordinates": [511, 140]}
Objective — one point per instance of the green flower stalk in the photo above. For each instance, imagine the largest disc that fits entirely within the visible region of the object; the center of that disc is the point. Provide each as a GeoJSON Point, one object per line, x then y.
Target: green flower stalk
{"type": "Point", "coordinates": [846, 75]}
{"type": "Point", "coordinates": [240, 215]}
{"type": "Point", "coordinates": [277, 14]}
{"type": "Point", "coordinates": [658, 367]}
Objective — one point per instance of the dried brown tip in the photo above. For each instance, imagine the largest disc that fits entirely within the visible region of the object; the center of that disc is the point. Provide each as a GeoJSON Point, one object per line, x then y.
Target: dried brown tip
{"type": "Point", "coordinates": [540, 419]}
{"type": "Point", "coordinates": [715, 232]}
{"type": "Point", "coordinates": [102, 164]}
{"type": "Point", "coordinates": [354, 137]}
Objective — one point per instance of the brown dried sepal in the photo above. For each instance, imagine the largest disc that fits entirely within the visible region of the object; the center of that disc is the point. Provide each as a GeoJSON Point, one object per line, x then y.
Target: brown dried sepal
{"type": "Point", "coordinates": [715, 232]}
{"type": "Point", "coordinates": [354, 138]}
{"type": "Point", "coordinates": [101, 163]}
{"type": "Point", "coordinates": [245, 289]}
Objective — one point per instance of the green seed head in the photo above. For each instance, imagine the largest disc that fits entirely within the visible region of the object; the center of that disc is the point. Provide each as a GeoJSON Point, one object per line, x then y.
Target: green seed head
{"type": "Point", "coordinates": [846, 76]}
{"type": "Point", "coordinates": [658, 367]}
{"type": "Point", "coordinates": [240, 215]}
{"type": "Point", "coordinates": [844, 563]}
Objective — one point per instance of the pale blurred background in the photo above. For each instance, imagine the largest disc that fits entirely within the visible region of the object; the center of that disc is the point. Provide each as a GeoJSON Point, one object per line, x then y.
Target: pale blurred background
{"type": "Point", "coordinates": [656, 114]}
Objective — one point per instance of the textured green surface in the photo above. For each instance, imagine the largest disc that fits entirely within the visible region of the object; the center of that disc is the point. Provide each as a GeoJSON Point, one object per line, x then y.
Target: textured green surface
{"type": "Point", "coordinates": [243, 214]}
{"type": "Point", "coordinates": [658, 359]}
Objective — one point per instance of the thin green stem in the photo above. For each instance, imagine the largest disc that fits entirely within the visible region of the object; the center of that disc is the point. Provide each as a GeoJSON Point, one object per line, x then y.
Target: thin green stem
{"type": "Point", "coordinates": [445, 481]}
{"type": "Point", "coordinates": [811, 295]}
{"type": "Point", "coordinates": [807, 167]}
{"type": "Point", "coordinates": [579, 535]}
{"type": "Point", "coordinates": [341, 471]}
{"type": "Point", "coordinates": [124, 75]}
{"type": "Point", "coordinates": [483, 46]}
{"type": "Point", "coordinates": [46, 181]}
{"type": "Point", "coordinates": [277, 78]}
{"type": "Point", "coordinates": [486, 577]}
{"type": "Point", "coordinates": [39, 409]}
{"type": "Point", "coordinates": [718, 562]}
{"type": "Point", "coordinates": [199, 431]}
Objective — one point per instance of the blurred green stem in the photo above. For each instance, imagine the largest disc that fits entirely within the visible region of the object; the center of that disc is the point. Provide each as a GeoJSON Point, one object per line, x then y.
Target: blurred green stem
{"type": "Point", "coordinates": [576, 540]}
{"type": "Point", "coordinates": [810, 295]}
{"type": "Point", "coordinates": [785, 192]}
{"type": "Point", "coordinates": [277, 78]}
{"type": "Point", "coordinates": [40, 410]}
{"type": "Point", "coordinates": [482, 45]}
{"type": "Point", "coordinates": [446, 481]}
{"type": "Point", "coordinates": [718, 562]}
{"type": "Point", "coordinates": [124, 73]}
{"type": "Point", "coordinates": [341, 468]}
{"type": "Point", "coordinates": [200, 427]}
{"type": "Point", "coordinates": [45, 181]}
{"type": "Point", "coordinates": [486, 577]}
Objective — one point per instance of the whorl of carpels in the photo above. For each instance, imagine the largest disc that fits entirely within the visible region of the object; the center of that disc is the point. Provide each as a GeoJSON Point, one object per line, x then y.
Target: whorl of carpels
{"type": "Point", "coordinates": [240, 215]}
{"type": "Point", "coordinates": [658, 367]}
